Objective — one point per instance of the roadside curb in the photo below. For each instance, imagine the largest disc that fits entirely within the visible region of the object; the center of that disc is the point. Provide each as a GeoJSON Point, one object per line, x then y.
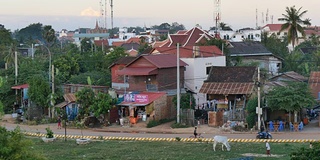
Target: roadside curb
{"type": "Point", "coordinates": [172, 139]}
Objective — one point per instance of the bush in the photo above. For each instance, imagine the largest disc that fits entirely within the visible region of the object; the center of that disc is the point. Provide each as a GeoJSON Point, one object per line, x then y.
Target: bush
{"type": "Point", "coordinates": [179, 125]}
{"type": "Point", "coordinates": [49, 133]}
{"type": "Point", "coordinates": [152, 123]}
{"type": "Point", "coordinates": [14, 145]}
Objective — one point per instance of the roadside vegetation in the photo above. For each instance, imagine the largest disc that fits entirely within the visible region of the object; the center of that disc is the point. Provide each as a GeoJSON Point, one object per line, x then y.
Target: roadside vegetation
{"type": "Point", "coordinates": [61, 150]}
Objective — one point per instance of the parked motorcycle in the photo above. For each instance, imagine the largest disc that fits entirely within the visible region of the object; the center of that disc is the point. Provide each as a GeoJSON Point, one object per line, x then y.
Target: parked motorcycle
{"type": "Point", "coordinates": [264, 135]}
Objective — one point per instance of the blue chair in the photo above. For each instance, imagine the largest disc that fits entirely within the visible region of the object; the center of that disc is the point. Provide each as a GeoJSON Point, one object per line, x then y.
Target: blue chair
{"type": "Point", "coordinates": [301, 126]}
{"type": "Point", "coordinates": [281, 126]}
{"type": "Point", "coordinates": [291, 127]}
{"type": "Point", "coordinates": [271, 128]}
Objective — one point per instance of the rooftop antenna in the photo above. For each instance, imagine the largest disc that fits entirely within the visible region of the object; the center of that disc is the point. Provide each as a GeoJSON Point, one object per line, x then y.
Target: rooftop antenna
{"type": "Point", "coordinates": [217, 14]}
{"type": "Point", "coordinates": [111, 5]}
{"type": "Point", "coordinates": [256, 18]}
{"type": "Point", "coordinates": [271, 19]}
{"type": "Point", "coordinates": [267, 18]}
{"type": "Point", "coordinates": [103, 14]}
{"type": "Point", "coordinates": [262, 18]}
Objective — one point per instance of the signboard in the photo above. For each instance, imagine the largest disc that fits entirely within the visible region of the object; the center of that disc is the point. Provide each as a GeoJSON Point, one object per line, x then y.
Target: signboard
{"type": "Point", "coordinates": [138, 98]}
{"type": "Point", "coordinates": [141, 98]}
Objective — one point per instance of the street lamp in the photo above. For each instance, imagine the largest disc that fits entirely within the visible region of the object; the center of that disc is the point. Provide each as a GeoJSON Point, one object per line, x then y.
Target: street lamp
{"type": "Point", "coordinates": [50, 72]}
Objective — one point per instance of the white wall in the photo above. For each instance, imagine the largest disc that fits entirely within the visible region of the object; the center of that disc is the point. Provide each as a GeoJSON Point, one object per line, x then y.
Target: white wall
{"type": "Point", "coordinates": [195, 73]}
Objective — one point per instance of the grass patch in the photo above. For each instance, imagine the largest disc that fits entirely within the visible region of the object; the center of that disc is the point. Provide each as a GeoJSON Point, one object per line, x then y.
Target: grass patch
{"type": "Point", "coordinates": [118, 150]}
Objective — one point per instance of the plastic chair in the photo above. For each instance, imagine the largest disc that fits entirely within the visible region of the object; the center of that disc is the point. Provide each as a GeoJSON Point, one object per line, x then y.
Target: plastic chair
{"type": "Point", "coordinates": [271, 128]}
{"type": "Point", "coordinates": [281, 127]}
{"type": "Point", "coordinates": [291, 127]}
{"type": "Point", "coordinates": [301, 126]}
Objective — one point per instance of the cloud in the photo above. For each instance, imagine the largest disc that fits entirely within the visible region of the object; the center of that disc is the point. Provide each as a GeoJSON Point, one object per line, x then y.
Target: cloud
{"type": "Point", "coordinates": [90, 12]}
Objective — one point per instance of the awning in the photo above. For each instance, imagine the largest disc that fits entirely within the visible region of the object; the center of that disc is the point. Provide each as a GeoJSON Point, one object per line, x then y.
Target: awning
{"type": "Point", "coordinates": [137, 71]}
{"type": "Point", "coordinates": [69, 97]}
{"type": "Point", "coordinates": [61, 105]}
{"type": "Point", "coordinates": [20, 86]}
{"type": "Point", "coordinates": [226, 88]}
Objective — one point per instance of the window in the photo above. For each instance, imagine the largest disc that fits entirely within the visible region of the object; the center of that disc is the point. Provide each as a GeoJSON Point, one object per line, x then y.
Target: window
{"type": "Point", "coordinates": [208, 70]}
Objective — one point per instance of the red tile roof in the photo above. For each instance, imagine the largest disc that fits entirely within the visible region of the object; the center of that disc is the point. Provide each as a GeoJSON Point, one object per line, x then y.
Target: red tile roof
{"type": "Point", "coordinates": [314, 83]}
{"type": "Point", "coordinates": [164, 60]}
{"type": "Point", "coordinates": [118, 43]}
{"type": "Point", "coordinates": [187, 38]}
{"type": "Point", "coordinates": [133, 40]}
{"type": "Point", "coordinates": [103, 42]}
{"type": "Point", "coordinates": [226, 88]}
{"type": "Point", "coordinates": [273, 27]}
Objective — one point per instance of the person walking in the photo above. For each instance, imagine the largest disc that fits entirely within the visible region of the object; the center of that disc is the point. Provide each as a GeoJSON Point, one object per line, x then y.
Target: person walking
{"type": "Point", "coordinates": [268, 148]}
{"type": "Point", "coordinates": [195, 132]}
{"type": "Point", "coordinates": [59, 122]}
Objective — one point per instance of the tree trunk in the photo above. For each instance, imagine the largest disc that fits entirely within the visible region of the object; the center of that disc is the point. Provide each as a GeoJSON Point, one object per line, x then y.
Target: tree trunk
{"type": "Point", "coordinates": [295, 116]}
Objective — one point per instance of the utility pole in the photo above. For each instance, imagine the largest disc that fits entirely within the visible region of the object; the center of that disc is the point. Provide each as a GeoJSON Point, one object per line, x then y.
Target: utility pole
{"type": "Point", "coordinates": [52, 102]}
{"type": "Point", "coordinates": [259, 110]}
{"type": "Point", "coordinates": [178, 84]}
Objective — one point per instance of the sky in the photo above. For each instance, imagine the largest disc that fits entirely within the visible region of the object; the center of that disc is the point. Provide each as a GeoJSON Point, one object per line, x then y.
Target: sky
{"type": "Point", "coordinates": [74, 14]}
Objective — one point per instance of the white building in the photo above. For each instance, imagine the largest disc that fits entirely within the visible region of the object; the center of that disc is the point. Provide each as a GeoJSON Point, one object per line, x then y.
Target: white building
{"type": "Point", "coordinates": [197, 72]}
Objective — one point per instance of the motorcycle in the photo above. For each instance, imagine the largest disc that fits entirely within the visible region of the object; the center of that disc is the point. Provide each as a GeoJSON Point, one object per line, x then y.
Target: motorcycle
{"type": "Point", "coordinates": [264, 135]}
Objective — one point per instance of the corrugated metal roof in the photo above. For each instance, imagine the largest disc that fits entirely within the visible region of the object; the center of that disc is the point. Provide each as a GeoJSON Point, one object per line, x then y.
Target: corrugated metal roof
{"type": "Point", "coordinates": [70, 97]}
{"type": "Point", "coordinates": [226, 88]}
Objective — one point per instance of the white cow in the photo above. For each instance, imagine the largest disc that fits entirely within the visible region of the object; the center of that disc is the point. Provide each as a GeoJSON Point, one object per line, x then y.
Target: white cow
{"type": "Point", "coordinates": [223, 140]}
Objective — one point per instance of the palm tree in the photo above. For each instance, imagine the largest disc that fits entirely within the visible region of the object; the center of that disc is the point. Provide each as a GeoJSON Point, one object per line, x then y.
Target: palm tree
{"type": "Point", "coordinates": [9, 58]}
{"type": "Point", "coordinates": [293, 21]}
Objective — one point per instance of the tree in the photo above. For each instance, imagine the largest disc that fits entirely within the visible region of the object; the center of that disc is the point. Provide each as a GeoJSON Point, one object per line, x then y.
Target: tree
{"type": "Point", "coordinates": [291, 98]}
{"type": "Point", "coordinates": [67, 66]}
{"type": "Point", "coordinates": [102, 104]}
{"type": "Point", "coordinates": [15, 146]}
{"type": "Point", "coordinates": [39, 91]}
{"type": "Point", "coordinates": [251, 110]}
{"type": "Point", "coordinates": [48, 35]}
{"type": "Point", "coordinates": [85, 97]}
{"type": "Point", "coordinates": [293, 21]}
{"type": "Point", "coordinates": [187, 101]}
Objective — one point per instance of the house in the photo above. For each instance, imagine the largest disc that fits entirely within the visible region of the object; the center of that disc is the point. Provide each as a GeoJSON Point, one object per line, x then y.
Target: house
{"type": "Point", "coordinates": [152, 73]}
{"type": "Point", "coordinates": [255, 52]}
{"type": "Point", "coordinates": [150, 81]}
{"type": "Point", "coordinates": [118, 80]}
{"type": "Point", "coordinates": [239, 35]}
{"type": "Point", "coordinates": [280, 80]}
{"type": "Point", "coordinates": [199, 58]}
{"type": "Point", "coordinates": [228, 89]}
{"type": "Point", "coordinates": [188, 38]}
{"type": "Point", "coordinates": [69, 104]}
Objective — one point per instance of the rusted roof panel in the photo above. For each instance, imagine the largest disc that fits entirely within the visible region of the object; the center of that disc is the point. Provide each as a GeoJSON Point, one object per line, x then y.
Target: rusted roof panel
{"type": "Point", "coordinates": [226, 88]}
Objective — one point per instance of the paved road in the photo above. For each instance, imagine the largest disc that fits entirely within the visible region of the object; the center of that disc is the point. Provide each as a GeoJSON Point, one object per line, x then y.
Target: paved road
{"type": "Point", "coordinates": [164, 131]}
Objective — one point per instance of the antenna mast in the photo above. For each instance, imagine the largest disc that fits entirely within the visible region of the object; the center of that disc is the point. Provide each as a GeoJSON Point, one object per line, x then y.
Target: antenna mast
{"type": "Point", "coordinates": [217, 14]}
{"type": "Point", "coordinates": [111, 5]}
{"type": "Point", "coordinates": [256, 18]}
{"type": "Point", "coordinates": [103, 13]}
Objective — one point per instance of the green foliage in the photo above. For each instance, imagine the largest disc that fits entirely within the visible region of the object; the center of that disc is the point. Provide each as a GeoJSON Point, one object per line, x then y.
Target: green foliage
{"type": "Point", "coordinates": [275, 45]}
{"type": "Point", "coordinates": [185, 101]}
{"type": "Point", "coordinates": [102, 103]}
{"type": "Point", "coordinates": [48, 34]}
{"type": "Point", "coordinates": [67, 65]}
{"type": "Point", "coordinates": [292, 97]}
{"type": "Point", "coordinates": [293, 22]}
{"type": "Point", "coordinates": [49, 133]}
{"type": "Point", "coordinates": [179, 125]}
{"type": "Point", "coordinates": [307, 153]}
{"type": "Point", "coordinates": [39, 91]}
{"type": "Point", "coordinates": [251, 110]}
{"type": "Point", "coordinates": [85, 97]}
{"type": "Point", "coordinates": [14, 146]}
{"type": "Point", "coordinates": [6, 38]}
{"type": "Point", "coordinates": [33, 31]}
{"type": "Point", "coordinates": [97, 78]}
{"type": "Point", "coordinates": [152, 123]}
